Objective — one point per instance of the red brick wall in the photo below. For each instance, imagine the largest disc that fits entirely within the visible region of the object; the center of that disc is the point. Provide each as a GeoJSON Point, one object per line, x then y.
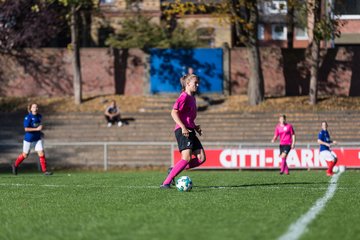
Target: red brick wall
{"type": "Point", "coordinates": [49, 72]}
{"type": "Point", "coordinates": [338, 72]}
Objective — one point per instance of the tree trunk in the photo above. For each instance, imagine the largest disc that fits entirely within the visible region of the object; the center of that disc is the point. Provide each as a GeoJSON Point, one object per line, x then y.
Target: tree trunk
{"type": "Point", "coordinates": [290, 27]}
{"type": "Point", "coordinates": [76, 56]}
{"type": "Point", "coordinates": [314, 69]}
{"type": "Point", "coordinates": [120, 66]}
{"type": "Point", "coordinates": [315, 16]}
{"type": "Point", "coordinates": [85, 28]}
{"type": "Point", "coordinates": [256, 81]}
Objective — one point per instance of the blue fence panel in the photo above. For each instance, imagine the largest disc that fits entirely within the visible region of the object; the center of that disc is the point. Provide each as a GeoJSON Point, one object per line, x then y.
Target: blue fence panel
{"type": "Point", "coordinates": [168, 65]}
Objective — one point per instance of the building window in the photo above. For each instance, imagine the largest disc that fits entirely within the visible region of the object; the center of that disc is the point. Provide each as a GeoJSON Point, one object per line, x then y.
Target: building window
{"type": "Point", "coordinates": [347, 9]}
{"type": "Point", "coordinates": [261, 32]}
{"type": "Point", "coordinates": [278, 32]}
{"type": "Point", "coordinates": [276, 7]}
{"type": "Point", "coordinates": [107, 1]}
{"type": "Point", "coordinates": [134, 5]}
{"type": "Point", "coordinates": [206, 36]}
{"type": "Point", "coordinates": [301, 34]}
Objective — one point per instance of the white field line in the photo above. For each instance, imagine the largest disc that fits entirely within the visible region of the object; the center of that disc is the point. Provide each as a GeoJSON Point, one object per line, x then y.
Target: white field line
{"type": "Point", "coordinates": [297, 228]}
{"type": "Point", "coordinates": [68, 186]}
{"type": "Point", "coordinates": [154, 187]}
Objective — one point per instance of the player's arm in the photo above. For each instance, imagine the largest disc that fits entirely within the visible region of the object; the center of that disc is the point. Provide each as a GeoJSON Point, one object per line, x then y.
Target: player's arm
{"type": "Point", "coordinates": [107, 112]}
{"type": "Point", "coordinates": [198, 129]}
{"type": "Point", "coordinates": [275, 136]}
{"type": "Point", "coordinates": [321, 142]}
{"type": "Point", "coordinates": [117, 112]}
{"type": "Point", "coordinates": [30, 129]}
{"type": "Point", "coordinates": [293, 137]}
{"type": "Point", "coordinates": [175, 116]}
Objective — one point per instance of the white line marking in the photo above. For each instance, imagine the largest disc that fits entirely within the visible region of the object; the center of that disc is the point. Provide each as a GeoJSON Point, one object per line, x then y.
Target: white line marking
{"type": "Point", "coordinates": [153, 187]}
{"type": "Point", "coordinates": [298, 228]}
{"type": "Point", "coordinates": [64, 186]}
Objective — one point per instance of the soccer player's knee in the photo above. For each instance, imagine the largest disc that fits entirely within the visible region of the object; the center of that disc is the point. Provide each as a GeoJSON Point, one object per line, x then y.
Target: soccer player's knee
{"type": "Point", "coordinates": [41, 154]}
{"type": "Point", "coordinates": [202, 158]}
{"type": "Point", "coordinates": [25, 155]}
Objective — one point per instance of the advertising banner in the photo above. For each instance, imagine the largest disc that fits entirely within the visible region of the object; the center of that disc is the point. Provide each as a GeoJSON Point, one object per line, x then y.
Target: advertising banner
{"type": "Point", "coordinates": [269, 158]}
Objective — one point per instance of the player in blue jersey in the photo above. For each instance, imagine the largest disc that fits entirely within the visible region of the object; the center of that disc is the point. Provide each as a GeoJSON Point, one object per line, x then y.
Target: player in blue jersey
{"type": "Point", "coordinates": [32, 138]}
{"type": "Point", "coordinates": [325, 148]}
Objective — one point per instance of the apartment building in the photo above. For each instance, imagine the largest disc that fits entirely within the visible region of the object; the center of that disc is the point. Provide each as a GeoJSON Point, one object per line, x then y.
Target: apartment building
{"type": "Point", "coordinates": [348, 11]}
{"type": "Point", "coordinates": [212, 32]}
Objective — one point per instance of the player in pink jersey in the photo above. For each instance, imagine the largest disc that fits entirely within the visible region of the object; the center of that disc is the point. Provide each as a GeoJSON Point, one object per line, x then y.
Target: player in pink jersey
{"type": "Point", "coordinates": [184, 113]}
{"type": "Point", "coordinates": [286, 133]}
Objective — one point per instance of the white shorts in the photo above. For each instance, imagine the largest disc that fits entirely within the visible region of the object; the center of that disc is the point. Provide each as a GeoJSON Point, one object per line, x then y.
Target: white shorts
{"type": "Point", "coordinates": [327, 155]}
{"type": "Point", "coordinates": [38, 145]}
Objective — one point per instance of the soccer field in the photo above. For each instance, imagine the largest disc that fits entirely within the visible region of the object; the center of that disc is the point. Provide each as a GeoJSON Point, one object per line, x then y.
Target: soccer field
{"type": "Point", "coordinates": [222, 205]}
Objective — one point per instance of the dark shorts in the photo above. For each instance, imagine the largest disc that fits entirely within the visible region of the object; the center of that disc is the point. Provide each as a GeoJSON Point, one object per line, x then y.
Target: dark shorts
{"type": "Point", "coordinates": [285, 149]}
{"type": "Point", "coordinates": [192, 142]}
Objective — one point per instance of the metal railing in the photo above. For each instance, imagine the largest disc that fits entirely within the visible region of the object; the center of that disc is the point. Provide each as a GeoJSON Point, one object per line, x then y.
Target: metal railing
{"type": "Point", "coordinates": [173, 145]}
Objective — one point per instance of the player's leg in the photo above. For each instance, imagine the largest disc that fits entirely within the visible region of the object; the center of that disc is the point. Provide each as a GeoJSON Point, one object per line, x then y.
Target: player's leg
{"type": "Point", "coordinates": [283, 162]}
{"type": "Point", "coordinates": [198, 152]}
{"type": "Point", "coordinates": [198, 160]}
{"type": "Point", "coordinates": [331, 160]}
{"type": "Point", "coordinates": [21, 157]}
{"type": "Point", "coordinates": [178, 168]}
{"type": "Point", "coordinates": [108, 120]}
{"type": "Point", "coordinates": [283, 159]}
{"type": "Point", "coordinates": [118, 120]}
{"type": "Point", "coordinates": [40, 150]}
{"type": "Point", "coordinates": [185, 145]}
{"type": "Point", "coordinates": [284, 151]}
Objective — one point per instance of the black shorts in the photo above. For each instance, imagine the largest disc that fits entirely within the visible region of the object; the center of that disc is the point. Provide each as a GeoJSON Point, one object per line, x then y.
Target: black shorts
{"type": "Point", "coordinates": [285, 149]}
{"type": "Point", "coordinates": [192, 142]}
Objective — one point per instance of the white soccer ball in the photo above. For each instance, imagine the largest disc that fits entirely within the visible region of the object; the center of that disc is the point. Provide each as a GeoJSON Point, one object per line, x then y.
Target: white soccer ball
{"type": "Point", "coordinates": [184, 184]}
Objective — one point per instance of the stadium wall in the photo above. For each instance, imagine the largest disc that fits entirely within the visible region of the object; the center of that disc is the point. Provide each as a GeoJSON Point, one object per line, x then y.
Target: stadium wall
{"type": "Point", "coordinates": [286, 72]}
{"type": "Point", "coordinates": [49, 72]}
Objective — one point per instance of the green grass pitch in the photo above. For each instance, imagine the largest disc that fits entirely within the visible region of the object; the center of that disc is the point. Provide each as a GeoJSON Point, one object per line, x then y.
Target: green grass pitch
{"type": "Point", "coordinates": [130, 205]}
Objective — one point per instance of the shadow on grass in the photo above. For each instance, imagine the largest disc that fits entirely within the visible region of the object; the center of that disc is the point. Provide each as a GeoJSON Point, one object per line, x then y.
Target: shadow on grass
{"type": "Point", "coordinates": [261, 185]}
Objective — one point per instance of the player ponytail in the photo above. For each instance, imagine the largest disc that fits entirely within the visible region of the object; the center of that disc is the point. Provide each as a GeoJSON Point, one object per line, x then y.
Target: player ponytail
{"type": "Point", "coordinates": [183, 83]}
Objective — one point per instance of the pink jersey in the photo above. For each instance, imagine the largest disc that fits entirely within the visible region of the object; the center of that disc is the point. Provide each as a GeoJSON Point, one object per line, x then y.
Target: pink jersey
{"type": "Point", "coordinates": [285, 133]}
{"type": "Point", "coordinates": [186, 105]}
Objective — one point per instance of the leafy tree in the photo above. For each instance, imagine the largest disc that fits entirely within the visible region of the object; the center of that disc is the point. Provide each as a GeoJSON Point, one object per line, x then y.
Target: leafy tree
{"type": "Point", "coordinates": [74, 10]}
{"type": "Point", "coordinates": [244, 16]}
{"type": "Point", "coordinates": [28, 24]}
{"type": "Point", "coordinates": [140, 32]}
{"type": "Point", "coordinates": [324, 27]}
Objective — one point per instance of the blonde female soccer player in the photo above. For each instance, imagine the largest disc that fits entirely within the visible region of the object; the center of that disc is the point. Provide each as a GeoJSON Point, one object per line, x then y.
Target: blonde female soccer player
{"type": "Point", "coordinates": [184, 113]}
{"type": "Point", "coordinates": [32, 138]}
{"type": "Point", "coordinates": [325, 143]}
{"type": "Point", "coordinates": [286, 133]}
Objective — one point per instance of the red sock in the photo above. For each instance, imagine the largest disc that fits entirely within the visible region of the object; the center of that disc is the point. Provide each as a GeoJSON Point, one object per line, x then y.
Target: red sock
{"type": "Point", "coordinates": [43, 163]}
{"type": "Point", "coordinates": [331, 165]}
{"type": "Point", "coordinates": [19, 160]}
{"type": "Point", "coordinates": [195, 162]}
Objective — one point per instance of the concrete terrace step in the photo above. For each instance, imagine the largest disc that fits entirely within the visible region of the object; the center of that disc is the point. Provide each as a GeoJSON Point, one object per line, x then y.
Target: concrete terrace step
{"type": "Point", "coordinates": [156, 127]}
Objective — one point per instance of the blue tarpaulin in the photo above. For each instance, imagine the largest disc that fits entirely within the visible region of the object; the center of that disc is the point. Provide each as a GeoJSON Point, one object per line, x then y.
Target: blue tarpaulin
{"type": "Point", "coordinates": [168, 65]}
